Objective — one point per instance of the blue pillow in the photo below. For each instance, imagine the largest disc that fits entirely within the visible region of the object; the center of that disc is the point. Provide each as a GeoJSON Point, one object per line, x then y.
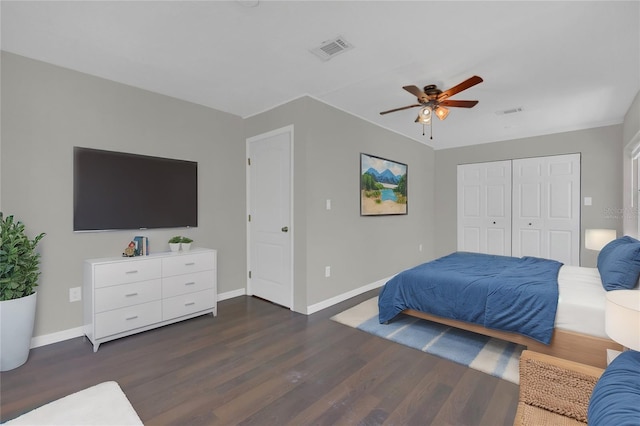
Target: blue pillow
{"type": "Point", "coordinates": [620, 267]}
{"type": "Point", "coordinates": [616, 397]}
{"type": "Point", "coordinates": [607, 249]}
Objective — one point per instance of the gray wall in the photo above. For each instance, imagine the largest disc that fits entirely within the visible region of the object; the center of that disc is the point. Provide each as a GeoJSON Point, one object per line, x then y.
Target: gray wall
{"type": "Point", "coordinates": [601, 170]}
{"type": "Point", "coordinates": [46, 110]}
{"type": "Point", "coordinates": [360, 250]}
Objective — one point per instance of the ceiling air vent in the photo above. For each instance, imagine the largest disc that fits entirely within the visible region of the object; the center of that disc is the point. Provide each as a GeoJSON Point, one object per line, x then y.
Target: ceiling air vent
{"type": "Point", "coordinates": [330, 48]}
{"type": "Point", "coordinates": [509, 111]}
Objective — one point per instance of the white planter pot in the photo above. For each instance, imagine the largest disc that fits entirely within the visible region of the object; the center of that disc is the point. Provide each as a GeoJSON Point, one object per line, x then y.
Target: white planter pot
{"type": "Point", "coordinates": [17, 318]}
{"type": "Point", "coordinates": [174, 246]}
{"type": "Point", "coordinates": [186, 246]}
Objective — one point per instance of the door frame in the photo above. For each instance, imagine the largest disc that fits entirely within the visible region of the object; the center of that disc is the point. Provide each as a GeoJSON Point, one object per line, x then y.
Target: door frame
{"type": "Point", "coordinates": [286, 129]}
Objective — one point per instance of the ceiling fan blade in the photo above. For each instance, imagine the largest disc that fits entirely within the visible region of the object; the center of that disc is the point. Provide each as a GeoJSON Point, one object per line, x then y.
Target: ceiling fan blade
{"type": "Point", "coordinates": [470, 82]}
{"type": "Point", "coordinates": [400, 109]}
{"type": "Point", "coordinates": [458, 104]}
{"type": "Point", "coordinates": [415, 91]}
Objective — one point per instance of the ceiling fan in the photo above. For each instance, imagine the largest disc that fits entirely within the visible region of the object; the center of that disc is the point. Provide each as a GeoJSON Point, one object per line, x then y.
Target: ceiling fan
{"type": "Point", "coordinates": [434, 100]}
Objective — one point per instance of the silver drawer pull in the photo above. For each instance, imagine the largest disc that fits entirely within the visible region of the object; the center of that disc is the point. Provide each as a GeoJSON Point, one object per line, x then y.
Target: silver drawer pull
{"type": "Point", "coordinates": [190, 303]}
{"type": "Point", "coordinates": [190, 264]}
{"type": "Point", "coordinates": [130, 294]}
{"type": "Point", "coordinates": [132, 318]}
{"type": "Point", "coordinates": [190, 283]}
{"type": "Point", "coordinates": [131, 272]}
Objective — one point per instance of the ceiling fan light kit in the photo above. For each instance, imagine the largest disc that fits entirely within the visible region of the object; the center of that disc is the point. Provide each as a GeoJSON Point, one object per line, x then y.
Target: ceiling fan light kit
{"type": "Point", "coordinates": [424, 116]}
{"type": "Point", "coordinates": [432, 99]}
{"type": "Point", "coordinates": [441, 112]}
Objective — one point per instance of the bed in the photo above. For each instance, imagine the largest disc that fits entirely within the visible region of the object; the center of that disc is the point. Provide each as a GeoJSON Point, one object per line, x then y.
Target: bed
{"type": "Point", "coordinates": [571, 325]}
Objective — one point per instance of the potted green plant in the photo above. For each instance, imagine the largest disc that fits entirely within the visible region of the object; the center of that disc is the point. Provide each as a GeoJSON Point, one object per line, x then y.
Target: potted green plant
{"type": "Point", "coordinates": [185, 243]}
{"type": "Point", "coordinates": [174, 243]}
{"type": "Point", "coordinates": [19, 273]}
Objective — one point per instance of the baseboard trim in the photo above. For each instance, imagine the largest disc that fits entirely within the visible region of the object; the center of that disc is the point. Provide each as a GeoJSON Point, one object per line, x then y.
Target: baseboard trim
{"type": "Point", "coordinates": [48, 339]}
{"type": "Point", "coordinates": [344, 296]}
{"type": "Point", "coordinates": [72, 333]}
{"type": "Point", "coordinates": [231, 294]}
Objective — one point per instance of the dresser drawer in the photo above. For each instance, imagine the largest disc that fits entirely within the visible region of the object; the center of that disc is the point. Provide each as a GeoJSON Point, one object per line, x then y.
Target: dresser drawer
{"type": "Point", "coordinates": [129, 318]}
{"type": "Point", "coordinates": [186, 304]}
{"type": "Point", "coordinates": [188, 263]}
{"type": "Point", "coordinates": [189, 283]}
{"type": "Point", "coordinates": [127, 272]}
{"type": "Point", "coordinates": [119, 296]}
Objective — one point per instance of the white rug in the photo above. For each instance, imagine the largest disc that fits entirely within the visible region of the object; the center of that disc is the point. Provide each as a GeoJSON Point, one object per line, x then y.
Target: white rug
{"type": "Point", "coordinates": [489, 355]}
{"type": "Point", "coordinates": [103, 404]}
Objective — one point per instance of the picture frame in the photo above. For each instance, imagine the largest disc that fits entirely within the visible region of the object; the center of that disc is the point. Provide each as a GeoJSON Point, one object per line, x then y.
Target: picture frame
{"type": "Point", "coordinates": [383, 186]}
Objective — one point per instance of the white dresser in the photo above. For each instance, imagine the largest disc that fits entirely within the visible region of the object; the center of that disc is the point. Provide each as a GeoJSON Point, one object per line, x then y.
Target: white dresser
{"type": "Point", "coordinates": [127, 295]}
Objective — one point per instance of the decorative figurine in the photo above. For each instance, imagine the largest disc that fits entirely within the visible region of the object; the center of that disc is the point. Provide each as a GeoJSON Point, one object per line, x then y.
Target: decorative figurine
{"type": "Point", "coordinates": [130, 251]}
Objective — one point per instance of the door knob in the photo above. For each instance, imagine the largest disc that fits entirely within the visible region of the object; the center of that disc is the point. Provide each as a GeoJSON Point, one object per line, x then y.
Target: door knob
{"type": "Point", "coordinates": [285, 229]}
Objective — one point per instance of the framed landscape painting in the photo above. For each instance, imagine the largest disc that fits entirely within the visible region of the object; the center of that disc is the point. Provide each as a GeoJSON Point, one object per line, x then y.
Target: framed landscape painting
{"type": "Point", "coordinates": [383, 186]}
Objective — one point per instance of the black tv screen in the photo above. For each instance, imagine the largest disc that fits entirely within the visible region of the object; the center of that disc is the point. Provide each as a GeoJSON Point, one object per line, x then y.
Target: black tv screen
{"type": "Point", "coordinates": [118, 190]}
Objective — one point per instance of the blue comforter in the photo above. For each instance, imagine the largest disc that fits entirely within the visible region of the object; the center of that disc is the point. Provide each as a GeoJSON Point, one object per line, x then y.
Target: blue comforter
{"type": "Point", "coordinates": [500, 292]}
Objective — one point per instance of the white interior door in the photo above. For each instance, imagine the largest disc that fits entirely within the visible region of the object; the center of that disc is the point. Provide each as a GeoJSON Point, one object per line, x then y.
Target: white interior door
{"type": "Point", "coordinates": [484, 207]}
{"type": "Point", "coordinates": [546, 208]}
{"type": "Point", "coordinates": [270, 228]}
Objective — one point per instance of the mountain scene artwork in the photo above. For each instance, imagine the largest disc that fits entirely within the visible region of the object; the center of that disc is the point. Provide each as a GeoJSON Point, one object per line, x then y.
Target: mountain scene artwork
{"type": "Point", "coordinates": [383, 186]}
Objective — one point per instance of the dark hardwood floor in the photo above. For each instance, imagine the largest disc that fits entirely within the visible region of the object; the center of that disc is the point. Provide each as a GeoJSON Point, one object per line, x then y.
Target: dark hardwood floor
{"type": "Point", "coordinates": [260, 364]}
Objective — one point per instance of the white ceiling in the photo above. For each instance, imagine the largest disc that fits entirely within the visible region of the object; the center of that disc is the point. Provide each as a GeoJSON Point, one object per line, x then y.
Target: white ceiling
{"type": "Point", "coordinates": [568, 65]}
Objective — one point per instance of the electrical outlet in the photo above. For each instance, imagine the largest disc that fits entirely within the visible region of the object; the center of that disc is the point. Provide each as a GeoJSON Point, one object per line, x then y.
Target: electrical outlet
{"type": "Point", "coordinates": [75, 294]}
{"type": "Point", "coordinates": [327, 271]}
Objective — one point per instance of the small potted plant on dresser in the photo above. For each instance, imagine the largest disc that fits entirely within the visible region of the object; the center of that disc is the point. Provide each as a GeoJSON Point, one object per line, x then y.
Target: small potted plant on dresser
{"type": "Point", "coordinates": [174, 243]}
{"type": "Point", "coordinates": [185, 243]}
{"type": "Point", "coordinates": [19, 272]}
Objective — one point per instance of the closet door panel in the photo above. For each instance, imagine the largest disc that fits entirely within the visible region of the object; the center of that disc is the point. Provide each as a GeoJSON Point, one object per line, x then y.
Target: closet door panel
{"type": "Point", "coordinates": [530, 242]}
{"type": "Point", "coordinates": [560, 197]}
{"type": "Point", "coordinates": [471, 201]}
{"type": "Point", "coordinates": [484, 207]}
{"type": "Point", "coordinates": [546, 208]}
{"type": "Point", "coordinates": [496, 201]}
{"type": "Point", "coordinates": [470, 239]}
{"type": "Point", "coordinates": [496, 241]}
{"type": "Point", "coordinates": [560, 244]}
{"type": "Point", "coordinates": [529, 200]}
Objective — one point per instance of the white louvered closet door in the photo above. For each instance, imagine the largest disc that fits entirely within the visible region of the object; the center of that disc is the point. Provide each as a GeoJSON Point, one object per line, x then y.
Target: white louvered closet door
{"type": "Point", "coordinates": [484, 207]}
{"type": "Point", "coordinates": [546, 208]}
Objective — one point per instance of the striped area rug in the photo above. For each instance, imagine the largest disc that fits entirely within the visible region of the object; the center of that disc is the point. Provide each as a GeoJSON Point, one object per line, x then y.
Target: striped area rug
{"type": "Point", "coordinates": [489, 355]}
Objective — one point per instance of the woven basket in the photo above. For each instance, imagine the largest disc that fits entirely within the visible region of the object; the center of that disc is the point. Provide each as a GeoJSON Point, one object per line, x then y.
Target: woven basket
{"type": "Point", "coordinates": [556, 389]}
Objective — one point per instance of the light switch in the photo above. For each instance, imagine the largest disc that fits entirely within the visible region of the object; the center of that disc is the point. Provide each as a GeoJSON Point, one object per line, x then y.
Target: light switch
{"type": "Point", "coordinates": [587, 201]}
{"type": "Point", "coordinates": [328, 204]}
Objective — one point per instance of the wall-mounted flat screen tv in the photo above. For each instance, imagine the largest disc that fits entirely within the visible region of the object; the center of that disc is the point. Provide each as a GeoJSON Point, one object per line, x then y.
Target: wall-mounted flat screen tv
{"type": "Point", "coordinates": [118, 190]}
